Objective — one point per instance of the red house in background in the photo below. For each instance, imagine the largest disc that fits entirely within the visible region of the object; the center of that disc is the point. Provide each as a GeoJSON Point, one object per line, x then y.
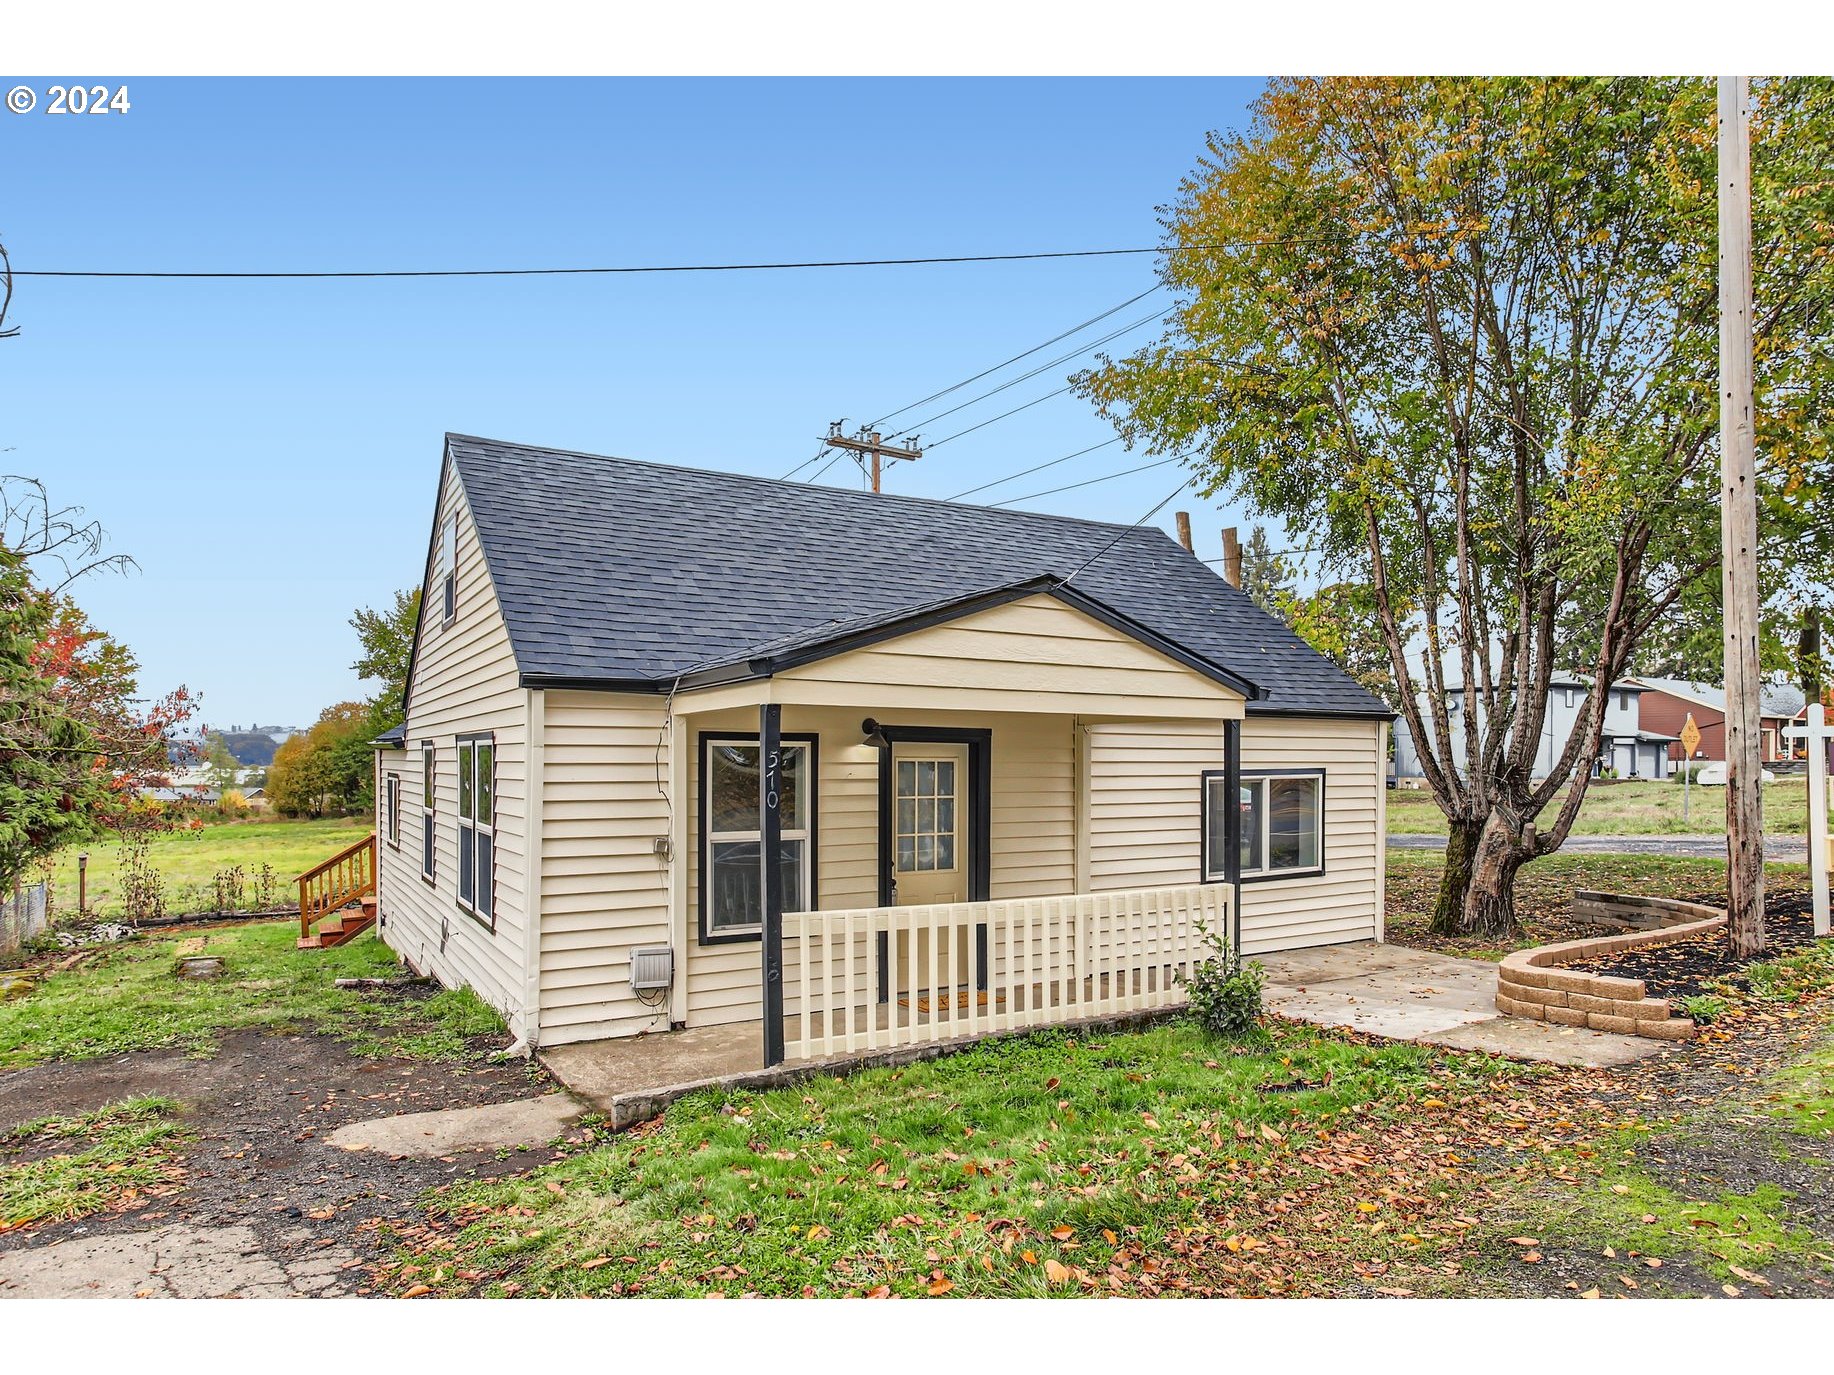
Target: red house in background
{"type": "Point", "coordinates": [1666, 703]}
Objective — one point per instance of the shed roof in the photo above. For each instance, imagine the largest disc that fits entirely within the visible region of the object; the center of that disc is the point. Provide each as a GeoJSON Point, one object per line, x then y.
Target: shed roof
{"type": "Point", "coordinates": [616, 573]}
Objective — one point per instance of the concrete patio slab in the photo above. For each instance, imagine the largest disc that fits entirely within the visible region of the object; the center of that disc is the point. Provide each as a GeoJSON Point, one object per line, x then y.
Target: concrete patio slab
{"type": "Point", "coordinates": [522, 1122]}
{"type": "Point", "coordinates": [1404, 994]}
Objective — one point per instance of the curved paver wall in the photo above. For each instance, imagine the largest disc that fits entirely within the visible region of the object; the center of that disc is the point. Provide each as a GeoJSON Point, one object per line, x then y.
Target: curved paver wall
{"type": "Point", "coordinates": [1533, 983]}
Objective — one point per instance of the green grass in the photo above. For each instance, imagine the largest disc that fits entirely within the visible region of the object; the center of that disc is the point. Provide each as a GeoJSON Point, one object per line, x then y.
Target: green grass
{"type": "Point", "coordinates": [113, 1153]}
{"type": "Point", "coordinates": [130, 1000]}
{"type": "Point", "coordinates": [190, 860]}
{"type": "Point", "coordinates": [1628, 808]}
{"type": "Point", "coordinates": [982, 1173]}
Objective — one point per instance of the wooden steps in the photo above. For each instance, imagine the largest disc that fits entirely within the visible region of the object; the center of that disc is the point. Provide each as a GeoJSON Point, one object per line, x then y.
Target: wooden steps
{"type": "Point", "coordinates": [344, 925]}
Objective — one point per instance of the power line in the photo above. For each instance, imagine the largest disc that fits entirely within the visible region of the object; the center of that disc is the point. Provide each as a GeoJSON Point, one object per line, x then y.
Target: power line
{"type": "Point", "coordinates": [1027, 376]}
{"type": "Point", "coordinates": [1035, 401]}
{"type": "Point", "coordinates": [1090, 482]}
{"type": "Point", "coordinates": [813, 458]}
{"type": "Point", "coordinates": [1038, 468]}
{"type": "Point", "coordinates": [1169, 498]}
{"type": "Point", "coordinates": [988, 372]}
{"type": "Point", "coordinates": [292, 275]}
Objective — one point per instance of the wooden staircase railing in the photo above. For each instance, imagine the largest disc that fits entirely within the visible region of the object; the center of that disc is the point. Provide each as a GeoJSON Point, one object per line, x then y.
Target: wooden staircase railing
{"type": "Point", "coordinates": [347, 877]}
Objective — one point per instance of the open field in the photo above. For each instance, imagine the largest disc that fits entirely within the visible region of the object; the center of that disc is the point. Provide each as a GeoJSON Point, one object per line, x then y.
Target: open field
{"type": "Point", "coordinates": [1627, 809]}
{"type": "Point", "coordinates": [190, 860]}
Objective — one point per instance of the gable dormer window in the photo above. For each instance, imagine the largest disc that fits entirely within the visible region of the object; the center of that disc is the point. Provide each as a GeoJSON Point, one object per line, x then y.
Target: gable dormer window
{"type": "Point", "coordinates": [448, 570]}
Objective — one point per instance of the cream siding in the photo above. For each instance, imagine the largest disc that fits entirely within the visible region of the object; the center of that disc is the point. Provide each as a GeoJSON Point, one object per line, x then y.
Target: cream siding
{"type": "Point", "coordinates": [464, 682]}
{"type": "Point", "coordinates": [604, 888]}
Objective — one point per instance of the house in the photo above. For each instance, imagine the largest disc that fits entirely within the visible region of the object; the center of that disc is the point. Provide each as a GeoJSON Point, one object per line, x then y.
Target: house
{"type": "Point", "coordinates": [995, 748]}
{"type": "Point", "coordinates": [1629, 746]}
{"type": "Point", "coordinates": [1667, 703]}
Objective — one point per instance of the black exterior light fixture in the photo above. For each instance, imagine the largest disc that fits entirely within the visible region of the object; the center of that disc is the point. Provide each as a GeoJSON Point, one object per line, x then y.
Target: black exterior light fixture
{"type": "Point", "coordinates": [874, 735]}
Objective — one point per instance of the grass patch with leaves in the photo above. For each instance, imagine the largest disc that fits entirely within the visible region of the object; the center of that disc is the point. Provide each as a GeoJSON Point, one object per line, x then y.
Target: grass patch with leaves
{"type": "Point", "coordinates": [1029, 1167]}
{"type": "Point", "coordinates": [61, 1168]}
{"type": "Point", "coordinates": [129, 1000]}
{"type": "Point", "coordinates": [1627, 809]}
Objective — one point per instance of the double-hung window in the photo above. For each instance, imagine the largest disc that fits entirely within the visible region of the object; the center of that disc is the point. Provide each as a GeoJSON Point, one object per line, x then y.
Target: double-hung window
{"type": "Point", "coordinates": [1282, 824]}
{"type": "Point", "coordinates": [391, 794]}
{"type": "Point", "coordinates": [477, 800]}
{"type": "Point", "coordinates": [428, 756]}
{"type": "Point", "coordinates": [732, 898]}
{"type": "Point", "coordinates": [448, 569]}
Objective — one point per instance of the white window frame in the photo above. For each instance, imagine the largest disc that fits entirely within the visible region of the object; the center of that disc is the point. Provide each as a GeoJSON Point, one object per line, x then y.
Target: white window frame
{"type": "Point", "coordinates": [429, 796]}
{"type": "Point", "coordinates": [711, 933]}
{"type": "Point", "coordinates": [448, 569]}
{"type": "Point", "coordinates": [391, 795]}
{"type": "Point", "coordinates": [1216, 866]}
{"type": "Point", "coordinates": [477, 829]}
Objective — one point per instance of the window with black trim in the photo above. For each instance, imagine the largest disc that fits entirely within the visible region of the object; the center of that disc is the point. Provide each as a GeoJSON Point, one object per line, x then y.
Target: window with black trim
{"type": "Point", "coordinates": [1282, 824]}
{"type": "Point", "coordinates": [428, 758]}
{"type": "Point", "coordinates": [448, 570]}
{"type": "Point", "coordinates": [731, 896]}
{"type": "Point", "coordinates": [392, 809]}
{"type": "Point", "coordinates": [477, 809]}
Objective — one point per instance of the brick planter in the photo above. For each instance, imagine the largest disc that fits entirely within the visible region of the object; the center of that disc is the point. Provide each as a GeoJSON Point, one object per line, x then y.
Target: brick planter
{"type": "Point", "coordinates": [1533, 983]}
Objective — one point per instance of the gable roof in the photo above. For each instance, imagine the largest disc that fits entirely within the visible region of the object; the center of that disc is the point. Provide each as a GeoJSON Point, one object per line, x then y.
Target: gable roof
{"type": "Point", "coordinates": [617, 573]}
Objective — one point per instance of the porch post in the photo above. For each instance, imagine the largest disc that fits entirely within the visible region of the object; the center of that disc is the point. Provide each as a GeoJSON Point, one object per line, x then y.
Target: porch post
{"type": "Point", "coordinates": [1232, 828]}
{"type": "Point", "coordinates": [770, 888]}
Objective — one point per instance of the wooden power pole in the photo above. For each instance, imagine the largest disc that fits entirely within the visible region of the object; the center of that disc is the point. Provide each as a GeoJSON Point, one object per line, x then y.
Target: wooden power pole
{"type": "Point", "coordinates": [869, 443]}
{"type": "Point", "coordinates": [1739, 526]}
{"type": "Point", "coordinates": [1232, 556]}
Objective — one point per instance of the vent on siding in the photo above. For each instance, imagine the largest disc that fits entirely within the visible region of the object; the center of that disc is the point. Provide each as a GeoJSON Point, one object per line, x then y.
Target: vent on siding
{"type": "Point", "coordinates": [652, 967]}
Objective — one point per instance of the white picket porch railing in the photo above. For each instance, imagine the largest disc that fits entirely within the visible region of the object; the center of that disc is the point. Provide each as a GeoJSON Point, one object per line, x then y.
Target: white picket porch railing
{"type": "Point", "coordinates": [879, 977]}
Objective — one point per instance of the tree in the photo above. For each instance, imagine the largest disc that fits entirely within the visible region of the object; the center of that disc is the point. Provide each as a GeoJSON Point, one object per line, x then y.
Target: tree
{"type": "Point", "coordinates": [1341, 621]}
{"type": "Point", "coordinates": [224, 769]}
{"type": "Point", "coordinates": [387, 639]}
{"type": "Point", "coordinates": [327, 769]}
{"type": "Point", "coordinates": [1266, 576]}
{"type": "Point", "coordinates": [1464, 334]}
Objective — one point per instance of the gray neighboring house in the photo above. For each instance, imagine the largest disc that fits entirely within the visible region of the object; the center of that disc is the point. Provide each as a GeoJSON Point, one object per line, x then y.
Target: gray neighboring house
{"type": "Point", "coordinates": [1625, 748]}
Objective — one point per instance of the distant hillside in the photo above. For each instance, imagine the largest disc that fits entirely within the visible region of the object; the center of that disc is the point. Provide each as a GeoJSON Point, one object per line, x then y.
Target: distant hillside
{"type": "Point", "coordinates": [251, 747]}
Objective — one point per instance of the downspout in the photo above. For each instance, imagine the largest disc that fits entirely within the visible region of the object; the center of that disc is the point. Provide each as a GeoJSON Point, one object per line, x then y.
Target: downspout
{"type": "Point", "coordinates": [535, 723]}
{"type": "Point", "coordinates": [1232, 827]}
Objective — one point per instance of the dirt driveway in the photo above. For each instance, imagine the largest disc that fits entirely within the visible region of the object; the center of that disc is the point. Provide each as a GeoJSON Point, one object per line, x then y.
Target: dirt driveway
{"type": "Point", "coordinates": [266, 1207]}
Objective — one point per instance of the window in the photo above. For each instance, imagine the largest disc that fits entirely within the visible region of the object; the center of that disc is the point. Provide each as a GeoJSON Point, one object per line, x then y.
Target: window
{"type": "Point", "coordinates": [392, 805]}
{"type": "Point", "coordinates": [477, 810]}
{"type": "Point", "coordinates": [427, 758]}
{"type": "Point", "coordinates": [1282, 824]}
{"type": "Point", "coordinates": [1569, 697]}
{"type": "Point", "coordinates": [448, 569]}
{"type": "Point", "coordinates": [732, 903]}
{"type": "Point", "coordinates": [924, 828]}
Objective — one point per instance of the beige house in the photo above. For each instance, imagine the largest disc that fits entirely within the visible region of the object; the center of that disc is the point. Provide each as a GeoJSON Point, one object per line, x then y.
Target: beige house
{"type": "Point", "coordinates": [995, 750]}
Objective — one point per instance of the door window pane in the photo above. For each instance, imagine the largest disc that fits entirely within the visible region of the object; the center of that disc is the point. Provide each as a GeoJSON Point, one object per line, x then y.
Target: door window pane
{"type": "Point", "coordinates": [925, 832]}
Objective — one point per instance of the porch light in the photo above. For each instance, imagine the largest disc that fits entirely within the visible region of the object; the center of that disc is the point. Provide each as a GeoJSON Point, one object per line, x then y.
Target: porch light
{"type": "Point", "coordinates": [875, 737]}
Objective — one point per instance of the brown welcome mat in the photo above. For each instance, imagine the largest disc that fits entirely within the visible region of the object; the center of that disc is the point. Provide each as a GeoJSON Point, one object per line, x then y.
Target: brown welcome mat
{"type": "Point", "coordinates": [959, 1002]}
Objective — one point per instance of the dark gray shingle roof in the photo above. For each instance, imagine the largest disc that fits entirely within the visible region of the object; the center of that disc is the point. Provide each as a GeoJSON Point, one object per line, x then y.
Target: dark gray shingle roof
{"type": "Point", "coordinates": [612, 570]}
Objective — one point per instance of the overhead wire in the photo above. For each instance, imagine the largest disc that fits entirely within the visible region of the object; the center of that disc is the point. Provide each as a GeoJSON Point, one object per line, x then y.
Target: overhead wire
{"type": "Point", "coordinates": [1035, 468]}
{"type": "Point", "coordinates": [1088, 482]}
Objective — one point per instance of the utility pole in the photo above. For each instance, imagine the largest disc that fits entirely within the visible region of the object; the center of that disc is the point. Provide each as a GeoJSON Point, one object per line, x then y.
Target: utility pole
{"type": "Point", "coordinates": [1232, 556]}
{"type": "Point", "coordinates": [1738, 530]}
{"type": "Point", "coordinates": [869, 442]}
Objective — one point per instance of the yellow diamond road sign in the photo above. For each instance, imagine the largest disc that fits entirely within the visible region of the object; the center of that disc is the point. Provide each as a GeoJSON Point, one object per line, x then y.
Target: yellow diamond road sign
{"type": "Point", "coordinates": [1690, 736]}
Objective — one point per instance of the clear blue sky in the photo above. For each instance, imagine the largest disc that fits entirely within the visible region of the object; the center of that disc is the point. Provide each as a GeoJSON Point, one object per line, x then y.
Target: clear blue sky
{"type": "Point", "coordinates": [267, 451]}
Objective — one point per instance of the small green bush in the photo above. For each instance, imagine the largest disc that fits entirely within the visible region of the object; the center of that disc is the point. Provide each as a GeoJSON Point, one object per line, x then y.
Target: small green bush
{"type": "Point", "coordinates": [1224, 993]}
{"type": "Point", "coordinates": [1704, 1008]}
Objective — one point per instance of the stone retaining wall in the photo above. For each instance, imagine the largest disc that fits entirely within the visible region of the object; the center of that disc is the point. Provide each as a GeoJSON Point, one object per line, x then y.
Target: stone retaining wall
{"type": "Point", "coordinates": [1533, 984]}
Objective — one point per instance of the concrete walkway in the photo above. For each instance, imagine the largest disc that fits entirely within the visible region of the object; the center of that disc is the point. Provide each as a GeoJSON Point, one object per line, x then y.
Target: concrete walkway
{"type": "Point", "coordinates": [1778, 849]}
{"type": "Point", "coordinates": [1415, 995]}
{"type": "Point", "coordinates": [521, 1123]}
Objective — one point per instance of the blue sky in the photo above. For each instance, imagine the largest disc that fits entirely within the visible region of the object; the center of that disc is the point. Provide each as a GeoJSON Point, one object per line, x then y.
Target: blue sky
{"type": "Point", "coordinates": [266, 451]}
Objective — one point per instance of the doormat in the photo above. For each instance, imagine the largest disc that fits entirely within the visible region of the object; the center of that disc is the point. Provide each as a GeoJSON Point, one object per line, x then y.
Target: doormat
{"type": "Point", "coordinates": [958, 1002]}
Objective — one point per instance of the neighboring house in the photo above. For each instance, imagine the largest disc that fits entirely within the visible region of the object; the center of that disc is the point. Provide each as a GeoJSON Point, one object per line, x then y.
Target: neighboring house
{"type": "Point", "coordinates": [1667, 703]}
{"type": "Point", "coordinates": [1629, 745]}
{"type": "Point", "coordinates": [1005, 746]}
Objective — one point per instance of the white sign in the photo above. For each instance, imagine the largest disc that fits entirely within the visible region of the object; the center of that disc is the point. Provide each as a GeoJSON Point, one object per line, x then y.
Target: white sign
{"type": "Point", "coordinates": [1821, 844]}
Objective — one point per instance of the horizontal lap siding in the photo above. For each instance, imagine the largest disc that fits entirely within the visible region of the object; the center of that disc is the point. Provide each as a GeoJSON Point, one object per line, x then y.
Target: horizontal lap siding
{"type": "Point", "coordinates": [1032, 820]}
{"type": "Point", "coordinates": [1341, 904]}
{"type": "Point", "coordinates": [603, 887]}
{"type": "Point", "coordinates": [465, 682]}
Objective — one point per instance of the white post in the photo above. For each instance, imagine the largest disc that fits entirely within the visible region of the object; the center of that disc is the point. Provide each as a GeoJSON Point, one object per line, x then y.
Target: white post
{"type": "Point", "coordinates": [1816, 734]}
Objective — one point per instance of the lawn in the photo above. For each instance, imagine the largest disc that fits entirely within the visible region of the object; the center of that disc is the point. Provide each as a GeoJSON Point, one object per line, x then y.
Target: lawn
{"type": "Point", "coordinates": [129, 999]}
{"type": "Point", "coordinates": [62, 1168]}
{"type": "Point", "coordinates": [1628, 809]}
{"type": "Point", "coordinates": [189, 861]}
{"type": "Point", "coordinates": [1027, 1168]}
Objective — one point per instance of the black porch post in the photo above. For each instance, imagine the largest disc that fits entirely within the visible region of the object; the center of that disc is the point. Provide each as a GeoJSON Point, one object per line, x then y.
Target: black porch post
{"type": "Point", "coordinates": [770, 835]}
{"type": "Point", "coordinates": [1232, 829]}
